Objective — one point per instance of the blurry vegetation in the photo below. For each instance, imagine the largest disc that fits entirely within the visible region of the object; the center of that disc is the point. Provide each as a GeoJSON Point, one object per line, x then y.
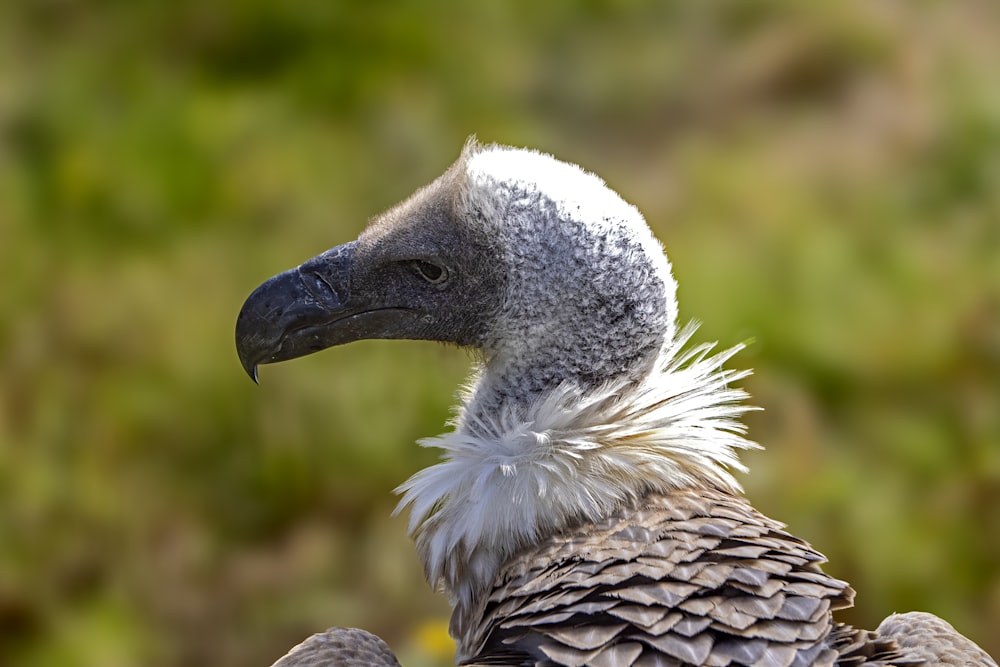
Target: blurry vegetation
{"type": "Point", "coordinates": [824, 175]}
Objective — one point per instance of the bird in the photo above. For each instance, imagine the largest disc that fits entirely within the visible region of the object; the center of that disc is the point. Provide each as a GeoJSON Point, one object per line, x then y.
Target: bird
{"type": "Point", "coordinates": [585, 509]}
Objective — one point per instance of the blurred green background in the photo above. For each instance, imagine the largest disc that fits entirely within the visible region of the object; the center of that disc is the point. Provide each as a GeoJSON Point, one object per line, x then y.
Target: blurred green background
{"type": "Point", "coordinates": [825, 176]}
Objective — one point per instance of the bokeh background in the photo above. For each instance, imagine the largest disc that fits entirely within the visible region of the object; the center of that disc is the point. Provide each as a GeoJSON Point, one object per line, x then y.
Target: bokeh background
{"type": "Point", "coordinates": [825, 176]}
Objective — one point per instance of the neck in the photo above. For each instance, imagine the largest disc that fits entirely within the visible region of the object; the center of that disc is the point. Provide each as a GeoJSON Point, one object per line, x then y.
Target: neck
{"type": "Point", "coordinates": [513, 475]}
{"type": "Point", "coordinates": [514, 383]}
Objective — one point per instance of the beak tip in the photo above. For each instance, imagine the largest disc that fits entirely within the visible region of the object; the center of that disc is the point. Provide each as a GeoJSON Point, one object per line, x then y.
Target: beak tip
{"type": "Point", "coordinates": [249, 364]}
{"type": "Point", "coordinates": [251, 370]}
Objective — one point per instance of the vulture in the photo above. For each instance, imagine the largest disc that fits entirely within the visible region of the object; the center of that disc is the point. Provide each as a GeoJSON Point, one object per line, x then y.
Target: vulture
{"type": "Point", "coordinates": [584, 511]}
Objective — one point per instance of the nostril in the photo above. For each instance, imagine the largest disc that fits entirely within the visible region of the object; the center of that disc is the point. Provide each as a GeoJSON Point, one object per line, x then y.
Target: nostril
{"type": "Point", "coordinates": [321, 285]}
{"type": "Point", "coordinates": [321, 289]}
{"type": "Point", "coordinates": [327, 276]}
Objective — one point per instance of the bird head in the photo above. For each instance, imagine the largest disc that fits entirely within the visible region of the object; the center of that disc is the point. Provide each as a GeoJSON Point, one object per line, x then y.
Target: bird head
{"type": "Point", "coordinates": [532, 262]}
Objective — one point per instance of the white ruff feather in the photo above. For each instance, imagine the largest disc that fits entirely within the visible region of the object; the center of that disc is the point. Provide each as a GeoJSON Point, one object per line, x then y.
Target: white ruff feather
{"type": "Point", "coordinates": [506, 482]}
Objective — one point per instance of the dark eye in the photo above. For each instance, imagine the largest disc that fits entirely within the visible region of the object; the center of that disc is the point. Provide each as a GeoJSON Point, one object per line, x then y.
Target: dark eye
{"type": "Point", "coordinates": [430, 272]}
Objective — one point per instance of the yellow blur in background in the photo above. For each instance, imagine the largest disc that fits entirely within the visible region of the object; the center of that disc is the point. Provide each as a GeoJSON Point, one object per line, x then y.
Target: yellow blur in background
{"type": "Point", "coordinates": [825, 177]}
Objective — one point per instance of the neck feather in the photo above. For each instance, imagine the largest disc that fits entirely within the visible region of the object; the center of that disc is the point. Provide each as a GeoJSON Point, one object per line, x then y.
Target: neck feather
{"type": "Point", "coordinates": [510, 479]}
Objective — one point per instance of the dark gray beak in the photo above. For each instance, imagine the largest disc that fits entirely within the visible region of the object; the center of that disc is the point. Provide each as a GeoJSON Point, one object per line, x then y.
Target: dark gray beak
{"type": "Point", "coordinates": [289, 315]}
{"type": "Point", "coordinates": [307, 309]}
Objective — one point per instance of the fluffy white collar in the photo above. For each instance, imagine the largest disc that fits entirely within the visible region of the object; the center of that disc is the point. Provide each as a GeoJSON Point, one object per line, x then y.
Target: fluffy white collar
{"type": "Point", "coordinates": [506, 480]}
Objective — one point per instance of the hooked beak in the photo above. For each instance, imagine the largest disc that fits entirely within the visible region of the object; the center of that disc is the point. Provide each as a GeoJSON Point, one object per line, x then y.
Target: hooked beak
{"type": "Point", "coordinates": [308, 309]}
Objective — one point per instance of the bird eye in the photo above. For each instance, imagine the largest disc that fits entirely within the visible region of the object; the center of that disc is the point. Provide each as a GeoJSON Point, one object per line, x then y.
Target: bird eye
{"type": "Point", "coordinates": [432, 273]}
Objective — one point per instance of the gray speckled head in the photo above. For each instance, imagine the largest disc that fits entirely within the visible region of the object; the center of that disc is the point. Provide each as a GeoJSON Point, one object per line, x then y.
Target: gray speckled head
{"type": "Point", "coordinates": [533, 262]}
{"type": "Point", "coordinates": [588, 293]}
